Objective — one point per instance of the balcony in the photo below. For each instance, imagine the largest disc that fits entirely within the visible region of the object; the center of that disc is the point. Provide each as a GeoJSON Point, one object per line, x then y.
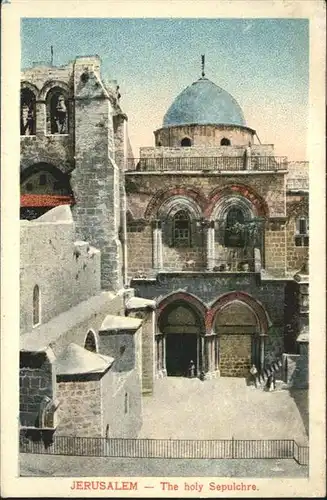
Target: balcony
{"type": "Point", "coordinates": [208, 164]}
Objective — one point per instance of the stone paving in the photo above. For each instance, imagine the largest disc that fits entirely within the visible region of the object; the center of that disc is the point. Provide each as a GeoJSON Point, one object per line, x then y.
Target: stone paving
{"type": "Point", "coordinates": [184, 408]}
{"type": "Point", "coordinates": [63, 466]}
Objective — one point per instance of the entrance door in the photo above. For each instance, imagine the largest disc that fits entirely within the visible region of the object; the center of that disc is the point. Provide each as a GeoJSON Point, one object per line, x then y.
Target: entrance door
{"type": "Point", "coordinates": [180, 350]}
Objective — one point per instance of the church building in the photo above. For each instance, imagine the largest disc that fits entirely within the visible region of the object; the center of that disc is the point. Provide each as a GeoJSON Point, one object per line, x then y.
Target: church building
{"type": "Point", "coordinates": [217, 231]}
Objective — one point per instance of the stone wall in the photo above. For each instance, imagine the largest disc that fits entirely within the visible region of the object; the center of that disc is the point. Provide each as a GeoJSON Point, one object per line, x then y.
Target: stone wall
{"type": "Point", "coordinates": [275, 249]}
{"type": "Point", "coordinates": [66, 272]}
{"type": "Point", "coordinates": [296, 370]}
{"type": "Point", "coordinates": [121, 405]}
{"type": "Point", "coordinates": [79, 412]}
{"type": "Point", "coordinates": [139, 247]}
{"type": "Point", "coordinates": [36, 380]}
{"type": "Point", "coordinates": [297, 206]}
{"type": "Point", "coordinates": [180, 258]}
{"type": "Point", "coordinates": [56, 150]}
{"type": "Point", "coordinates": [235, 355]}
{"type": "Point", "coordinates": [147, 349]}
{"type": "Point", "coordinates": [205, 150]}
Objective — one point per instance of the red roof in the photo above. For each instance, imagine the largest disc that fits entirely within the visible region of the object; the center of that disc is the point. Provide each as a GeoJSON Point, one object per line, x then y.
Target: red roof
{"type": "Point", "coordinates": [45, 200]}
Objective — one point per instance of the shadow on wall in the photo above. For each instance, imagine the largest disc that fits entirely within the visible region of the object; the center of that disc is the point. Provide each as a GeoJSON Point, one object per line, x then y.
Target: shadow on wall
{"type": "Point", "coordinates": [301, 398]}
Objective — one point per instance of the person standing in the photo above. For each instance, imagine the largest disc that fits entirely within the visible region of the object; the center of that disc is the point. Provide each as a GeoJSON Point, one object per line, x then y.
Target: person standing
{"type": "Point", "coordinates": [254, 373]}
{"type": "Point", "coordinates": [191, 369]}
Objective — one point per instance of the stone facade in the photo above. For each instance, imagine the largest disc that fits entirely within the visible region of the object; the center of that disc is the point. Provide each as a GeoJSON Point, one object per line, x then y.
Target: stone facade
{"type": "Point", "coordinates": [208, 226]}
{"type": "Point", "coordinates": [206, 171]}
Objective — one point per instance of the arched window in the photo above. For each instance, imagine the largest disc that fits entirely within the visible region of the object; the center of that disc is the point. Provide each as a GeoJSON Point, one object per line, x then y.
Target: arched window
{"type": "Point", "coordinates": [36, 306]}
{"type": "Point", "coordinates": [27, 112]}
{"type": "Point", "coordinates": [225, 142]}
{"type": "Point", "coordinates": [186, 142]}
{"type": "Point", "coordinates": [234, 228]}
{"type": "Point", "coordinates": [90, 342]}
{"type": "Point", "coordinates": [126, 403]}
{"type": "Point", "coordinates": [181, 229]}
{"type": "Point", "coordinates": [57, 111]}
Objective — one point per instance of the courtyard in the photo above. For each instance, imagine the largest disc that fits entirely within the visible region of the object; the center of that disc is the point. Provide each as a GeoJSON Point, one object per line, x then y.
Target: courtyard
{"type": "Point", "coordinates": [222, 408]}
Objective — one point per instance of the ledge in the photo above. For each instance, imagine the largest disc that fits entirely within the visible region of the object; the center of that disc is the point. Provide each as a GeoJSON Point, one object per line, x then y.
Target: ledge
{"type": "Point", "coordinates": [136, 303]}
{"type": "Point", "coordinates": [115, 324]}
{"type": "Point", "coordinates": [208, 172]}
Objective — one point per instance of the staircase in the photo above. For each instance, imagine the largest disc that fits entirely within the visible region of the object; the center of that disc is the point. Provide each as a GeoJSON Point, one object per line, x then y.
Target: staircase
{"type": "Point", "coordinates": [273, 369]}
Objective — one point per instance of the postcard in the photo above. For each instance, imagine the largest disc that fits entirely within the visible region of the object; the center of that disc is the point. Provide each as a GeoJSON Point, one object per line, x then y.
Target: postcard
{"type": "Point", "coordinates": [163, 263]}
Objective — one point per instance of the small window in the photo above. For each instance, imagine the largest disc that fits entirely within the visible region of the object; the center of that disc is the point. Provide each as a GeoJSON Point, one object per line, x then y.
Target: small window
{"type": "Point", "coordinates": [302, 232]}
{"type": "Point", "coordinates": [122, 349]}
{"type": "Point", "coordinates": [29, 186]}
{"type": "Point", "coordinates": [186, 142]}
{"type": "Point", "coordinates": [36, 306]}
{"type": "Point", "coordinates": [126, 403]}
{"type": "Point", "coordinates": [90, 342]}
{"type": "Point", "coordinates": [225, 142]}
{"type": "Point", "coordinates": [43, 179]}
{"type": "Point", "coordinates": [181, 229]}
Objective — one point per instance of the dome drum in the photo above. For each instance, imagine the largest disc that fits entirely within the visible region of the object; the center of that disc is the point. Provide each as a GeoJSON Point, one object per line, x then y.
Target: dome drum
{"type": "Point", "coordinates": [209, 135]}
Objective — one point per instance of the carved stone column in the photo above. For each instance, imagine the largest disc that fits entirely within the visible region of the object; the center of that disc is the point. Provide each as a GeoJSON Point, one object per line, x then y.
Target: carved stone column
{"type": "Point", "coordinates": [210, 245]}
{"type": "Point", "coordinates": [40, 116]}
{"type": "Point", "coordinates": [157, 245]}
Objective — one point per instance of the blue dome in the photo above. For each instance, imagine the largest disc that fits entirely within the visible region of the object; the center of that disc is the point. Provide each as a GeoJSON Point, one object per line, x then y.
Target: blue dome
{"type": "Point", "coordinates": [204, 103]}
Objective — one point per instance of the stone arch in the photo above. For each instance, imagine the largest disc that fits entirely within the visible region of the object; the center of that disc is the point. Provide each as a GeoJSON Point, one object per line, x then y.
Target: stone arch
{"type": "Point", "coordinates": [186, 142]}
{"type": "Point", "coordinates": [181, 329]}
{"type": "Point", "coordinates": [195, 198]}
{"type": "Point", "coordinates": [30, 86]}
{"type": "Point", "coordinates": [28, 96]}
{"type": "Point", "coordinates": [260, 207]}
{"type": "Point", "coordinates": [91, 341]}
{"type": "Point", "coordinates": [225, 203]}
{"type": "Point", "coordinates": [181, 296]}
{"type": "Point", "coordinates": [28, 163]}
{"type": "Point", "coordinates": [55, 181]}
{"type": "Point", "coordinates": [58, 106]}
{"type": "Point", "coordinates": [49, 85]}
{"type": "Point", "coordinates": [177, 203]}
{"type": "Point", "coordinates": [242, 297]}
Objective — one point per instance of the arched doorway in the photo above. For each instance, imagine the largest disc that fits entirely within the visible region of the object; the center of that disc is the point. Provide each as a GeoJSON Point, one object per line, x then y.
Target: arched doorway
{"type": "Point", "coordinates": [237, 328]}
{"type": "Point", "coordinates": [181, 327]}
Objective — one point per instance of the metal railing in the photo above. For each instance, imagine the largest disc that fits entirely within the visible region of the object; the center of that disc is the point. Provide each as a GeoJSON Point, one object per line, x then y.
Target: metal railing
{"type": "Point", "coordinates": [232, 264]}
{"type": "Point", "coordinates": [301, 454]}
{"type": "Point", "coordinates": [168, 448]}
{"type": "Point", "coordinates": [207, 163]}
{"type": "Point", "coordinates": [297, 184]}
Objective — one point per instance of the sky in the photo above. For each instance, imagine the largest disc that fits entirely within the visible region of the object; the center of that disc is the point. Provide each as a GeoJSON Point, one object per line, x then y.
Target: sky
{"type": "Point", "coordinates": [263, 63]}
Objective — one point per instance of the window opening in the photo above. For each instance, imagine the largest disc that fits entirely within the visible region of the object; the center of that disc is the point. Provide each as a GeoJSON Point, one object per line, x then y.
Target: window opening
{"type": "Point", "coordinates": [181, 229]}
